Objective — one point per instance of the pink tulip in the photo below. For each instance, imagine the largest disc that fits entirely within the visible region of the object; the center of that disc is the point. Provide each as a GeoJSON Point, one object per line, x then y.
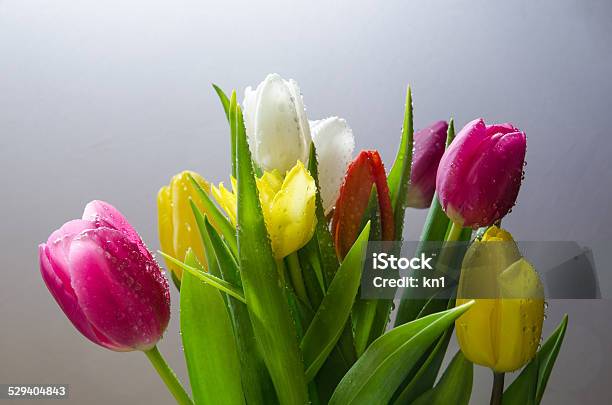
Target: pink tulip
{"type": "Point", "coordinates": [106, 281]}
{"type": "Point", "coordinates": [428, 149]}
{"type": "Point", "coordinates": [480, 173]}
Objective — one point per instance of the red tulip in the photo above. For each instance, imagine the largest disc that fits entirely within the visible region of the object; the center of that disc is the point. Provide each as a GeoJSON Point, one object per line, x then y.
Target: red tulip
{"type": "Point", "coordinates": [366, 170]}
{"type": "Point", "coordinates": [106, 281]}
{"type": "Point", "coordinates": [480, 173]}
{"type": "Point", "coordinates": [428, 150]}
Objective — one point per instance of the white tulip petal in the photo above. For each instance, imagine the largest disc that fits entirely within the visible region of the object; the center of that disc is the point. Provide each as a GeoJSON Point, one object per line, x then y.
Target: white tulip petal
{"type": "Point", "coordinates": [248, 111]}
{"type": "Point", "coordinates": [276, 124]}
{"type": "Point", "coordinates": [302, 119]}
{"type": "Point", "coordinates": [335, 143]}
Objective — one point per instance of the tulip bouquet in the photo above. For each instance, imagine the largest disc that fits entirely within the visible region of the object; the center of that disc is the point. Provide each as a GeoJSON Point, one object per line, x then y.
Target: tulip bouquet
{"type": "Point", "coordinates": [269, 268]}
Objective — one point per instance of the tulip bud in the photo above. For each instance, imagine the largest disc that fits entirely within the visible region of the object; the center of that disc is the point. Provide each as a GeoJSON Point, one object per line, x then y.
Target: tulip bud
{"type": "Point", "coordinates": [106, 281]}
{"type": "Point", "coordinates": [365, 171]}
{"type": "Point", "coordinates": [276, 124]}
{"type": "Point", "coordinates": [502, 330]}
{"type": "Point", "coordinates": [178, 230]}
{"type": "Point", "coordinates": [429, 146]}
{"type": "Point", "coordinates": [480, 173]}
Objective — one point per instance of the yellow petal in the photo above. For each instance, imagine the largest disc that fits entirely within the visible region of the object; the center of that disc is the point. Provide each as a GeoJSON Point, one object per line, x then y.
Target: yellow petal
{"type": "Point", "coordinates": [268, 186]}
{"type": "Point", "coordinates": [494, 233]}
{"type": "Point", "coordinates": [521, 315]}
{"type": "Point", "coordinates": [226, 200]}
{"type": "Point", "coordinates": [186, 232]}
{"type": "Point", "coordinates": [290, 218]}
{"type": "Point", "coordinates": [165, 229]}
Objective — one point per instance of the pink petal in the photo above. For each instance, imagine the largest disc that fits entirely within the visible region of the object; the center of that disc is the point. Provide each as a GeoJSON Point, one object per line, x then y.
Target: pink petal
{"type": "Point", "coordinates": [122, 291]}
{"type": "Point", "coordinates": [105, 215]}
{"type": "Point", "coordinates": [456, 161]}
{"type": "Point", "coordinates": [64, 295]}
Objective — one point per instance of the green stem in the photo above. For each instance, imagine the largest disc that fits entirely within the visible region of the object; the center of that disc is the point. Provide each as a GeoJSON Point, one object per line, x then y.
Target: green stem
{"type": "Point", "coordinates": [168, 376]}
{"type": "Point", "coordinates": [282, 270]}
{"type": "Point", "coordinates": [295, 272]}
{"type": "Point", "coordinates": [453, 233]}
{"type": "Point", "coordinates": [498, 388]}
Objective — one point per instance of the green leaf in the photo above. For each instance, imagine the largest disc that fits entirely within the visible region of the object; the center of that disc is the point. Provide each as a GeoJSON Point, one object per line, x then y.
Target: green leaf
{"type": "Point", "coordinates": [312, 274]}
{"type": "Point", "coordinates": [423, 377]}
{"type": "Point", "coordinates": [537, 372]}
{"type": "Point", "coordinates": [264, 292]}
{"type": "Point", "coordinates": [208, 341]}
{"type": "Point", "coordinates": [211, 260]}
{"type": "Point", "coordinates": [322, 237]}
{"type": "Point", "coordinates": [227, 263]}
{"type": "Point", "coordinates": [334, 311]}
{"type": "Point", "coordinates": [399, 176]}
{"type": "Point", "coordinates": [364, 311]}
{"type": "Point", "coordinates": [379, 372]}
{"type": "Point", "coordinates": [363, 318]}
{"type": "Point", "coordinates": [455, 385]}
{"type": "Point", "coordinates": [226, 103]}
{"type": "Point", "coordinates": [208, 278]}
{"type": "Point", "coordinates": [225, 226]}
{"type": "Point", "coordinates": [523, 389]}
{"type": "Point", "coordinates": [256, 381]}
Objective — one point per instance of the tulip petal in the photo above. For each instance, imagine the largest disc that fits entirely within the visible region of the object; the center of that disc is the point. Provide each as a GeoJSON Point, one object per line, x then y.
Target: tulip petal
{"type": "Point", "coordinates": [497, 172]}
{"type": "Point", "coordinates": [334, 142]}
{"type": "Point", "coordinates": [505, 128]}
{"type": "Point", "coordinates": [454, 163]}
{"type": "Point", "coordinates": [268, 185]}
{"type": "Point", "coordinates": [165, 226]}
{"type": "Point", "coordinates": [58, 245]}
{"type": "Point", "coordinates": [366, 170]}
{"type": "Point", "coordinates": [55, 280]}
{"type": "Point", "coordinates": [276, 124]}
{"type": "Point", "coordinates": [105, 215]}
{"type": "Point", "coordinates": [120, 290]}
{"type": "Point", "coordinates": [429, 146]}
{"type": "Point", "coordinates": [290, 218]}
{"type": "Point", "coordinates": [226, 200]}
{"type": "Point", "coordinates": [522, 314]}
{"type": "Point", "coordinates": [185, 231]}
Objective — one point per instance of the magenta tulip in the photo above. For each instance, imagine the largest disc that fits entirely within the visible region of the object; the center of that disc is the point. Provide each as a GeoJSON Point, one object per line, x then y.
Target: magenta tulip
{"type": "Point", "coordinates": [106, 281]}
{"type": "Point", "coordinates": [480, 173]}
{"type": "Point", "coordinates": [428, 150]}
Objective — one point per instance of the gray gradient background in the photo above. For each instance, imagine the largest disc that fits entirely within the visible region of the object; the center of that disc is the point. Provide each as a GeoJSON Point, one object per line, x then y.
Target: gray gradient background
{"type": "Point", "coordinates": [107, 100]}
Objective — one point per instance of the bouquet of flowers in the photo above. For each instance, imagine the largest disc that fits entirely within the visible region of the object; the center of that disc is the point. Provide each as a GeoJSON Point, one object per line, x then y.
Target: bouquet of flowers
{"type": "Point", "coordinates": [270, 269]}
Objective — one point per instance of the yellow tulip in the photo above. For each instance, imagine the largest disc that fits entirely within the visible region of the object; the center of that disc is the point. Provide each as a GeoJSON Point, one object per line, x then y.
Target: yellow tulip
{"type": "Point", "coordinates": [178, 230]}
{"type": "Point", "coordinates": [501, 332]}
{"type": "Point", "coordinates": [288, 207]}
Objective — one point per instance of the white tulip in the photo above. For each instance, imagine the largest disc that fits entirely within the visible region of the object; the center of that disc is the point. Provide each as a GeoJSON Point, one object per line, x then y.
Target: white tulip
{"type": "Point", "coordinates": [334, 143]}
{"type": "Point", "coordinates": [276, 124]}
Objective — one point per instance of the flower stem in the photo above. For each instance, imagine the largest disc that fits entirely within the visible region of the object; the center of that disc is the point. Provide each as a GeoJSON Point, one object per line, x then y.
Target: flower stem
{"type": "Point", "coordinates": [168, 376]}
{"type": "Point", "coordinates": [295, 272]}
{"type": "Point", "coordinates": [498, 388]}
{"type": "Point", "coordinates": [453, 233]}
